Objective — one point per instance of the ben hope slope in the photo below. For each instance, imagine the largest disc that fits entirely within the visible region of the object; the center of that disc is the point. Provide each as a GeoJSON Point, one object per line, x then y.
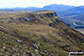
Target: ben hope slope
{"type": "Point", "coordinates": [39, 33]}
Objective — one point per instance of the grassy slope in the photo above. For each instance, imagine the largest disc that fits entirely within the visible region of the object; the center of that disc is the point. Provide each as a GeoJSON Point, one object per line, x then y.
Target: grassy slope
{"type": "Point", "coordinates": [49, 33]}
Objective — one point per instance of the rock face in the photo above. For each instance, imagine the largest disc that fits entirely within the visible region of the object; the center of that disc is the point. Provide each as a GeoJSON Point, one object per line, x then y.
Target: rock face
{"type": "Point", "coordinates": [32, 17]}
{"type": "Point", "coordinates": [32, 33]}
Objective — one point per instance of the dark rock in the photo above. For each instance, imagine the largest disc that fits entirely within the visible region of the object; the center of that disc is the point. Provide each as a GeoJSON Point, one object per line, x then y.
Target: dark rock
{"type": "Point", "coordinates": [25, 19]}
{"type": "Point", "coordinates": [57, 21]}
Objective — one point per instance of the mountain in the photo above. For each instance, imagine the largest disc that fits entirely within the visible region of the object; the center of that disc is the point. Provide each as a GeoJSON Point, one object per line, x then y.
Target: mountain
{"type": "Point", "coordinates": [57, 7]}
{"type": "Point", "coordinates": [78, 9]}
{"type": "Point", "coordinates": [68, 14]}
{"type": "Point", "coordinates": [77, 17]}
{"type": "Point", "coordinates": [77, 13]}
{"type": "Point", "coordinates": [74, 11]}
{"type": "Point", "coordinates": [37, 33]}
{"type": "Point", "coordinates": [20, 9]}
{"type": "Point", "coordinates": [53, 7]}
{"type": "Point", "coordinates": [73, 15]}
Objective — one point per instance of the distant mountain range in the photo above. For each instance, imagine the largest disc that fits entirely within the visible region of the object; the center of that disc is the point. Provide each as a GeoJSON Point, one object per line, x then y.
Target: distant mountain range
{"type": "Point", "coordinates": [69, 14]}
{"type": "Point", "coordinates": [60, 9]}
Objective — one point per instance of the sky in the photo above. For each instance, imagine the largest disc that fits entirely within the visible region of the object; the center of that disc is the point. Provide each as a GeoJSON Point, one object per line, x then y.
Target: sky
{"type": "Point", "coordinates": [38, 3]}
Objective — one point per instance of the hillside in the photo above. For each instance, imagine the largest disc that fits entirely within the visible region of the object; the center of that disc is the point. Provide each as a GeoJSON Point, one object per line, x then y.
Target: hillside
{"type": "Point", "coordinates": [68, 14]}
{"type": "Point", "coordinates": [39, 33]}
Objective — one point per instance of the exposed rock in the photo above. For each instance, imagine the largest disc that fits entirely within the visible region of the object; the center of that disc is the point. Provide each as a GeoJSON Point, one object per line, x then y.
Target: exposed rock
{"type": "Point", "coordinates": [35, 46]}
{"type": "Point", "coordinates": [19, 41]}
{"type": "Point", "coordinates": [23, 19]}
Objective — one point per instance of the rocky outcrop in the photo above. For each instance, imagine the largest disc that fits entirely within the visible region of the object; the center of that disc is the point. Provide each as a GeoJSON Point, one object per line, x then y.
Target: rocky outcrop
{"type": "Point", "coordinates": [34, 16]}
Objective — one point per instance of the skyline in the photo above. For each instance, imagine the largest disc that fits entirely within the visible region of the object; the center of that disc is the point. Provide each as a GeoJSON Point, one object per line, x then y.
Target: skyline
{"type": "Point", "coordinates": [40, 3]}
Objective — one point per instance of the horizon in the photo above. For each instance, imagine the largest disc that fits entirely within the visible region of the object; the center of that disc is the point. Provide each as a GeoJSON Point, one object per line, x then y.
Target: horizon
{"type": "Point", "coordinates": [38, 4]}
{"type": "Point", "coordinates": [37, 7]}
